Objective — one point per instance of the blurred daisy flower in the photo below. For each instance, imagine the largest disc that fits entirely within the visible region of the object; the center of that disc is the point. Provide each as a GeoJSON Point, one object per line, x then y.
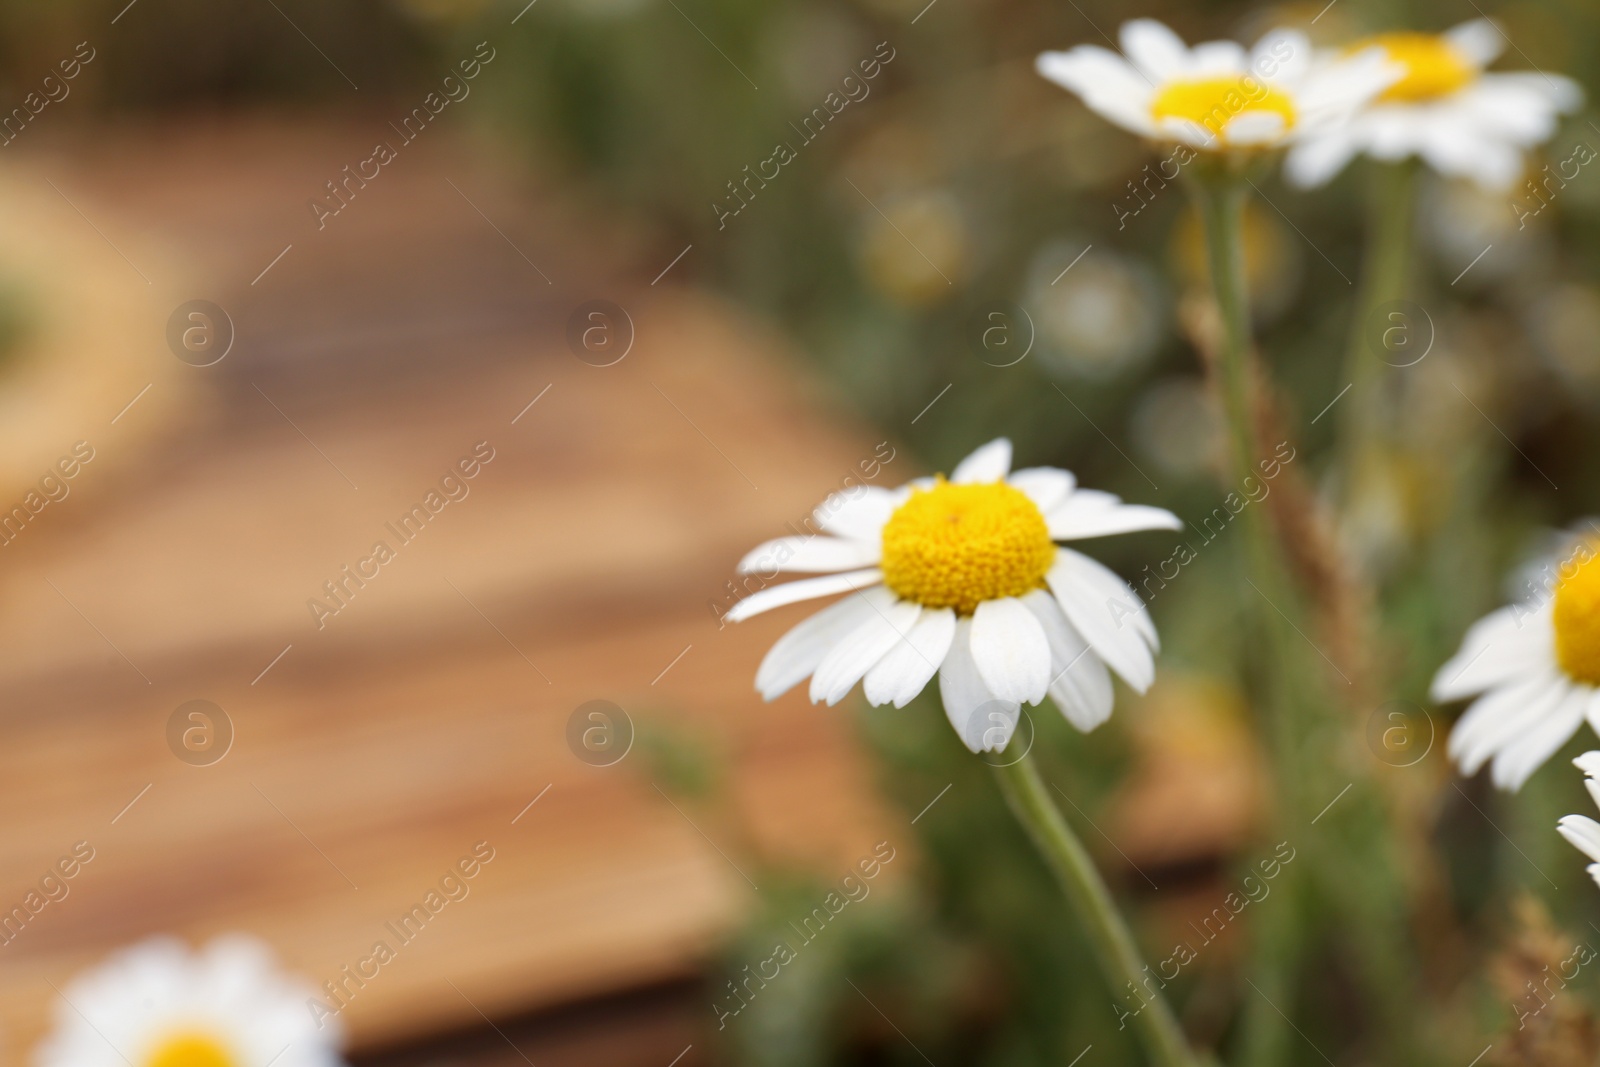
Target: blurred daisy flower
{"type": "Point", "coordinates": [1101, 318]}
{"type": "Point", "coordinates": [962, 578]}
{"type": "Point", "coordinates": [1461, 218]}
{"type": "Point", "coordinates": [1463, 122]}
{"type": "Point", "coordinates": [157, 1004]}
{"type": "Point", "coordinates": [1582, 832]}
{"type": "Point", "coordinates": [1176, 423]}
{"type": "Point", "coordinates": [1217, 96]}
{"type": "Point", "coordinates": [1537, 665]}
{"type": "Point", "coordinates": [917, 247]}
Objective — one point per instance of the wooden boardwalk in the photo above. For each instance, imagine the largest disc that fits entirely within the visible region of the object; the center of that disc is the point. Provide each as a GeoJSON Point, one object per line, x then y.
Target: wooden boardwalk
{"type": "Point", "coordinates": [376, 745]}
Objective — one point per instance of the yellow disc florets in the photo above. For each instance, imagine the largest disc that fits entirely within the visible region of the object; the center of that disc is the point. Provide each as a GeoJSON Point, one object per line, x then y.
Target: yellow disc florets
{"type": "Point", "coordinates": [1212, 103]}
{"type": "Point", "coordinates": [955, 546]}
{"type": "Point", "coordinates": [190, 1049]}
{"type": "Point", "coordinates": [1576, 615]}
{"type": "Point", "coordinates": [1433, 67]}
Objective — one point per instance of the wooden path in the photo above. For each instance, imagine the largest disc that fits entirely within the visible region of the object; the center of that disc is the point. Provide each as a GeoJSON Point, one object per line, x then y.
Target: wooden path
{"type": "Point", "coordinates": [430, 712]}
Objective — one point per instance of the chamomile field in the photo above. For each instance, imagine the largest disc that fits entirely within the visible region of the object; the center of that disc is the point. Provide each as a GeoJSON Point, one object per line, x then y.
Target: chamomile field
{"type": "Point", "coordinates": [675, 533]}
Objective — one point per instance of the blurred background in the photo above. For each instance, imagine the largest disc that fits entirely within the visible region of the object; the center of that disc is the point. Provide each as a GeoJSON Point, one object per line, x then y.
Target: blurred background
{"type": "Point", "coordinates": [275, 275]}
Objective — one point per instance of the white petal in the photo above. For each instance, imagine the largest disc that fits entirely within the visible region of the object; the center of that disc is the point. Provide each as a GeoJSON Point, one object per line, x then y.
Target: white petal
{"type": "Point", "coordinates": [1080, 685]}
{"type": "Point", "coordinates": [1334, 90]}
{"type": "Point", "coordinates": [1110, 617]}
{"type": "Point", "coordinates": [1561, 92]}
{"type": "Point", "coordinates": [810, 555]}
{"type": "Point", "coordinates": [982, 721]}
{"type": "Point", "coordinates": [1281, 57]}
{"type": "Point", "coordinates": [1553, 90]}
{"type": "Point", "coordinates": [1315, 160]}
{"type": "Point", "coordinates": [145, 992]}
{"type": "Point", "coordinates": [1255, 128]}
{"type": "Point", "coordinates": [1514, 107]}
{"type": "Point", "coordinates": [1047, 487]}
{"type": "Point", "coordinates": [1159, 53]}
{"type": "Point", "coordinates": [989, 463]}
{"type": "Point", "coordinates": [1189, 132]}
{"type": "Point", "coordinates": [861, 649]}
{"type": "Point", "coordinates": [1492, 164]}
{"type": "Point", "coordinates": [806, 589]}
{"type": "Point", "coordinates": [1589, 762]}
{"type": "Point", "coordinates": [1093, 513]}
{"type": "Point", "coordinates": [1502, 714]}
{"type": "Point", "coordinates": [1011, 651]}
{"type": "Point", "coordinates": [1107, 83]}
{"type": "Point", "coordinates": [1217, 57]}
{"type": "Point", "coordinates": [796, 654]}
{"type": "Point", "coordinates": [1123, 605]}
{"type": "Point", "coordinates": [1582, 832]}
{"type": "Point", "coordinates": [1530, 750]}
{"type": "Point", "coordinates": [903, 673]}
{"type": "Point", "coordinates": [1479, 41]}
{"type": "Point", "coordinates": [859, 513]}
{"type": "Point", "coordinates": [1502, 645]}
{"type": "Point", "coordinates": [1395, 131]}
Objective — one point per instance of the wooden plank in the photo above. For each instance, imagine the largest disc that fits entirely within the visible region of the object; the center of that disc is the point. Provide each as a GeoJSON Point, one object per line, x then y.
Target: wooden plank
{"type": "Point", "coordinates": [374, 751]}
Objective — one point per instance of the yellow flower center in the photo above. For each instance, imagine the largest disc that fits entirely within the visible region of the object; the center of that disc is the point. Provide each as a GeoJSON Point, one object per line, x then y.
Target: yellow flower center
{"type": "Point", "coordinates": [1433, 67]}
{"type": "Point", "coordinates": [191, 1048]}
{"type": "Point", "coordinates": [1212, 103]}
{"type": "Point", "coordinates": [955, 546]}
{"type": "Point", "coordinates": [1577, 615]}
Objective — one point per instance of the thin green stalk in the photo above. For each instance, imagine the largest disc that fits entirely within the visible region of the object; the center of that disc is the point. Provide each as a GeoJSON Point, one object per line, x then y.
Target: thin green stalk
{"type": "Point", "coordinates": [1296, 717]}
{"type": "Point", "coordinates": [1221, 198]}
{"type": "Point", "coordinates": [1384, 336]}
{"type": "Point", "coordinates": [1113, 944]}
{"type": "Point", "coordinates": [1385, 273]}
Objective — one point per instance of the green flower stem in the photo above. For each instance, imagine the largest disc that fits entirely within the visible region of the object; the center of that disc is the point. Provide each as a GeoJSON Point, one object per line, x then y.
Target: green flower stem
{"type": "Point", "coordinates": [1113, 943]}
{"type": "Point", "coordinates": [1366, 440]}
{"type": "Point", "coordinates": [1385, 273]}
{"type": "Point", "coordinates": [1220, 194]}
{"type": "Point", "coordinates": [1298, 715]}
{"type": "Point", "coordinates": [1221, 197]}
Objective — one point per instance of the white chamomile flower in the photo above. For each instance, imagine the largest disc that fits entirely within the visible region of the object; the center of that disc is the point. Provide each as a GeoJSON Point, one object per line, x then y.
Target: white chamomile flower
{"type": "Point", "coordinates": [1580, 830]}
{"type": "Point", "coordinates": [1216, 96]}
{"type": "Point", "coordinates": [962, 578]}
{"type": "Point", "coordinates": [1537, 666]}
{"type": "Point", "coordinates": [1463, 122]}
{"type": "Point", "coordinates": [157, 1004]}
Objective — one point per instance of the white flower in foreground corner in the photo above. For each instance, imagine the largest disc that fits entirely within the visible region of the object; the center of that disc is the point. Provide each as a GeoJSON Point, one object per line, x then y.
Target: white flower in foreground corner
{"type": "Point", "coordinates": [1580, 830]}
{"type": "Point", "coordinates": [1463, 122]}
{"type": "Point", "coordinates": [963, 578]}
{"type": "Point", "coordinates": [1216, 96]}
{"type": "Point", "coordinates": [1537, 666]}
{"type": "Point", "coordinates": [157, 1004]}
